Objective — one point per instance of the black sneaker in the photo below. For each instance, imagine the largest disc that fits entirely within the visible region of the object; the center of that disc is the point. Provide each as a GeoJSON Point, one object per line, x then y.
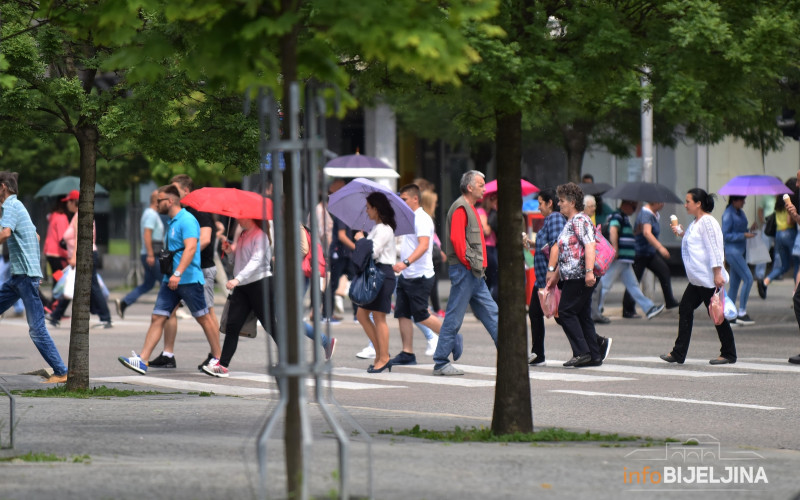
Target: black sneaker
{"type": "Point", "coordinates": [405, 358]}
{"type": "Point", "coordinates": [762, 289]}
{"type": "Point", "coordinates": [605, 346]}
{"type": "Point", "coordinates": [744, 320]}
{"type": "Point", "coordinates": [601, 320]}
{"type": "Point", "coordinates": [204, 363]}
{"type": "Point", "coordinates": [163, 362]}
{"type": "Point", "coordinates": [52, 322]}
{"type": "Point", "coordinates": [121, 306]}
{"type": "Point", "coordinates": [631, 315]}
{"type": "Point", "coordinates": [795, 360]}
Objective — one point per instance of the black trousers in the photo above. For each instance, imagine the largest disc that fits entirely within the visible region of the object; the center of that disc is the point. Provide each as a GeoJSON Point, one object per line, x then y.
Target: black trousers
{"type": "Point", "coordinates": [246, 298]}
{"type": "Point", "coordinates": [658, 265]}
{"type": "Point", "coordinates": [97, 301]}
{"type": "Point", "coordinates": [536, 316]}
{"type": "Point", "coordinates": [342, 266]}
{"type": "Point", "coordinates": [693, 296]}
{"type": "Point", "coordinates": [575, 313]}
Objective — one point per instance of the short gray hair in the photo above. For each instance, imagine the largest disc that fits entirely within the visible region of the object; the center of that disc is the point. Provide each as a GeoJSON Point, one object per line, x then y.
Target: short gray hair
{"type": "Point", "coordinates": [468, 179]}
{"type": "Point", "coordinates": [587, 198]}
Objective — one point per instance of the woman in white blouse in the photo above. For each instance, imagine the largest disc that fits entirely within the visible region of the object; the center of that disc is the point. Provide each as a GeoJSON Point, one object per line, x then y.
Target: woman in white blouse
{"type": "Point", "coordinates": [383, 253]}
{"type": "Point", "coordinates": [704, 258]}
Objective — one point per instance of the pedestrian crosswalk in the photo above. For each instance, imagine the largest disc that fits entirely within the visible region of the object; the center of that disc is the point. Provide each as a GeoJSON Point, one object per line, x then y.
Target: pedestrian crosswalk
{"type": "Point", "coordinates": [623, 370]}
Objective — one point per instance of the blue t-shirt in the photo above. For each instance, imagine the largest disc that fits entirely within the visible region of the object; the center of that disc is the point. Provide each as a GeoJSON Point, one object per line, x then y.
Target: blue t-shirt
{"type": "Point", "coordinates": [151, 220]}
{"type": "Point", "coordinates": [23, 246]}
{"type": "Point", "coordinates": [181, 227]}
{"type": "Point", "coordinates": [643, 247]}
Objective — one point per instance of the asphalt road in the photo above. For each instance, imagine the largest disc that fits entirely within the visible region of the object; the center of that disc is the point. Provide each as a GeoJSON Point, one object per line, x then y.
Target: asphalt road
{"type": "Point", "coordinates": [181, 445]}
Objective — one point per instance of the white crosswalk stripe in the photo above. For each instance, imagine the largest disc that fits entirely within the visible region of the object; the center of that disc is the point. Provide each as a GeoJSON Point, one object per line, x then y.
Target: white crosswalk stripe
{"type": "Point", "coordinates": [408, 376]}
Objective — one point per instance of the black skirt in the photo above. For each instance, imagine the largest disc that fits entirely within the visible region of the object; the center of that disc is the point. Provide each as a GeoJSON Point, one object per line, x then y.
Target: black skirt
{"type": "Point", "coordinates": [383, 302]}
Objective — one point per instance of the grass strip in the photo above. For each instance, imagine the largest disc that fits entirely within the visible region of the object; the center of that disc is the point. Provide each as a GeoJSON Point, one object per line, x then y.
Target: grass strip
{"type": "Point", "coordinates": [485, 435]}
{"type": "Point", "coordinates": [60, 391]}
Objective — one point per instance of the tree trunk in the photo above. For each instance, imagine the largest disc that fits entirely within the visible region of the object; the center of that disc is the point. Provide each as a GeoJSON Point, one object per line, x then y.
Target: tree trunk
{"type": "Point", "coordinates": [576, 140]}
{"type": "Point", "coordinates": [293, 434]}
{"type": "Point", "coordinates": [512, 397]}
{"type": "Point", "coordinates": [87, 136]}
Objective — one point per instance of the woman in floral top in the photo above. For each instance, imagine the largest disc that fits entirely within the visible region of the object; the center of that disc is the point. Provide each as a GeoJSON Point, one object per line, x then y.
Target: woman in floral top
{"type": "Point", "coordinates": [572, 258]}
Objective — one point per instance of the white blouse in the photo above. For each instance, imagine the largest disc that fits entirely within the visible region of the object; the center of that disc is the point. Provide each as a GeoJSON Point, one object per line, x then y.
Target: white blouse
{"type": "Point", "coordinates": [702, 250]}
{"type": "Point", "coordinates": [251, 257]}
{"type": "Point", "coordinates": [383, 248]}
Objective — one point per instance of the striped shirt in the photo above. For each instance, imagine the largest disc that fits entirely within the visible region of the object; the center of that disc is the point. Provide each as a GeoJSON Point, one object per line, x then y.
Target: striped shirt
{"type": "Point", "coordinates": [626, 243]}
{"type": "Point", "coordinates": [23, 245]}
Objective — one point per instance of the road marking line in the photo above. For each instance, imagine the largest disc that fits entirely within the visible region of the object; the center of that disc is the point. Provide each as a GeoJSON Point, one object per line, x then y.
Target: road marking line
{"type": "Point", "coordinates": [644, 370]}
{"type": "Point", "coordinates": [786, 367]}
{"type": "Point", "coordinates": [547, 375]}
{"type": "Point", "coordinates": [337, 384]}
{"type": "Point", "coordinates": [664, 398]}
{"type": "Point", "coordinates": [186, 385]}
{"type": "Point", "coordinates": [412, 378]}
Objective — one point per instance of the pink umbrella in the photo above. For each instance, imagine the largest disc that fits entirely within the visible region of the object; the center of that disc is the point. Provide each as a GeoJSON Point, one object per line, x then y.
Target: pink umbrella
{"type": "Point", "coordinates": [527, 188]}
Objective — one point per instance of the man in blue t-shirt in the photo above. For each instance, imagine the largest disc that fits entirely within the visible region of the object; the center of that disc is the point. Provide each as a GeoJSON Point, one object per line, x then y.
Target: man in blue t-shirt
{"type": "Point", "coordinates": [18, 232]}
{"type": "Point", "coordinates": [621, 237]}
{"type": "Point", "coordinates": [185, 283]}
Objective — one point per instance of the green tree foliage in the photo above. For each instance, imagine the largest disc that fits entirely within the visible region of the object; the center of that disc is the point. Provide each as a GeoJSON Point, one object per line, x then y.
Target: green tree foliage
{"type": "Point", "coordinates": [59, 89]}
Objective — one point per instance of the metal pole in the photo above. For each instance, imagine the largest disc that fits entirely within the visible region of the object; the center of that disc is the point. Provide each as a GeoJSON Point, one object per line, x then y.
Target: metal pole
{"type": "Point", "coordinates": [648, 174]}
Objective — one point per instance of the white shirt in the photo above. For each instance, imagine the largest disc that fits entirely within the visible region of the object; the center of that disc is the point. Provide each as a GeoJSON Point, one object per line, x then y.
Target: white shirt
{"type": "Point", "coordinates": [423, 227]}
{"type": "Point", "coordinates": [702, 250]}
{"type": "Point", "coordinates": [383, 250]}
{"type": "Point", "coordinates": [252, 256]}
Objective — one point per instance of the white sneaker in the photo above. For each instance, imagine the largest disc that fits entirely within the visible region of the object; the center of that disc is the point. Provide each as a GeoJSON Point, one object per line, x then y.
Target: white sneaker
{"type": "Point", "coordinates": [215, 369]}
{"type": "Point", "coordinates": [366, 353]}
{"type": "Point", "coordinates": [432, 343]}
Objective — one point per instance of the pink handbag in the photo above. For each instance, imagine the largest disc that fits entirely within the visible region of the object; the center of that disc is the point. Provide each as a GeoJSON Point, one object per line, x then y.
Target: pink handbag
{"type": "Point", "coordinates": [548, 299]}
{"type": "Point", "coordinates": [604, 253]}
{"type": "Point", "coordinates": [716, 308]}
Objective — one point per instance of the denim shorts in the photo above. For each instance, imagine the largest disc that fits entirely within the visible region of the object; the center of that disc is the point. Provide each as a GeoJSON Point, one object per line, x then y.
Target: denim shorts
{"type": "Point", "coordinates": [191, 294]}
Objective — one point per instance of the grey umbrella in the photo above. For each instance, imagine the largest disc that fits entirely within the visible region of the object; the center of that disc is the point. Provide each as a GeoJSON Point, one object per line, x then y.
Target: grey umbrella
{"type": "Point", "coordinates": [643, 191]}
{"type": "Point", "coordinates": [63, 185]}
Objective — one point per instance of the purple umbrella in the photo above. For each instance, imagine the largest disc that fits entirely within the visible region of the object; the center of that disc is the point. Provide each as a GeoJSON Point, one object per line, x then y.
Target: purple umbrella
{"type": "Point", "coordinates": [350, 205]}
{"type": "Point", "coordinates": [359, 165]}
{"type": "Point", "coordinates": [744, 185]}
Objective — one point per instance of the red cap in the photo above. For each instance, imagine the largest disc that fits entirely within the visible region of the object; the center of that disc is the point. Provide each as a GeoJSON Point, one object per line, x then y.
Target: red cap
{"type": "Point", "coordinates": [73, 195]}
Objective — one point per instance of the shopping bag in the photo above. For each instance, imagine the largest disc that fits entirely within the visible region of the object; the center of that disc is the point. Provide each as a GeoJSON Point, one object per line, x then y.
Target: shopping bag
{"type": "Point", "coordinates": [548, 299]}
{"type": "Point", "coordinates": [249, 329]}
{"type": "Point", "coordinates": [716, 308]}
{"type": "Point", "coordinates": [757, 250]}
{"type": "Point", "coordinates": [69, 283]}
{"type": "Point", "coordinates": [730, 309]}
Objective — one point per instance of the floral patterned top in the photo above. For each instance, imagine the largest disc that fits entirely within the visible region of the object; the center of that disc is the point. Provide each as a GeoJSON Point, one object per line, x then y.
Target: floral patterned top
{"type": "Point", "coordinates": [577, 232]}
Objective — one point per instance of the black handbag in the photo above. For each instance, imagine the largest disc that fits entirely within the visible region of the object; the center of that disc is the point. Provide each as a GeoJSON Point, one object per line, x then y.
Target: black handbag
{"type": "Point", "coordinates": [770, 226]}
{"type": "Point", "coordinates": [365, 287]}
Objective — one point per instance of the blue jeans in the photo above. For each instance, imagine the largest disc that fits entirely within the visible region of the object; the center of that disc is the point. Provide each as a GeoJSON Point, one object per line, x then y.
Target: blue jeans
{"type": "Point", "coordinates": [27, 289]}
{"type": "Point", "coordinates": [309, 328]}
{"type": "Point", "coordinates": [152, 275]}
{"type": "Point", "coordinates": [623, 270]}
{"type": "Point", "coordinates": [740, 274]}
{"type": "Point", "coordinates": [784, 242]}
{"type": "Point", "coordinates": [465, 290]}
{"type": "Point", "coordinates": [5, 275]}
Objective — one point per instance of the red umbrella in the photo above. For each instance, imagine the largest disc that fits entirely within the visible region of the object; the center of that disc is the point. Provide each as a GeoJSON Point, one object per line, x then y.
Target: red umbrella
{"type": "Point", "coordinates": [527, 188]}
{"type": "Point", "coordinates": [231, 202]}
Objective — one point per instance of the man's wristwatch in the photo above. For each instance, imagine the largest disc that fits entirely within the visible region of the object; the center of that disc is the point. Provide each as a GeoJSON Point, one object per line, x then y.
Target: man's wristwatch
{"type": "Point", "coordinates": [177, 274]}
{"type": "Point", "coordinates": [551, 269]}
{"type": "Point", "coordinates": [406, 262]}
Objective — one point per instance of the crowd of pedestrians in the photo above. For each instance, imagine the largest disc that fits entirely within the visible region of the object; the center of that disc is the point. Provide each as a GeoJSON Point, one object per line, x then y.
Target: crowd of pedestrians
{"type": "Point", "coordinates": [564, 262]}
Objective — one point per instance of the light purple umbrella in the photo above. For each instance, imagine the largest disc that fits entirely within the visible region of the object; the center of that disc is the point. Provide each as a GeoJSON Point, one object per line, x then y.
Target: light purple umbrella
{"type": "Point", "coordinates": [359, 165]}
{"type": "Point", "coordinates": [745, 185]}
{"type": "Point", "coordinates": [350, 205]}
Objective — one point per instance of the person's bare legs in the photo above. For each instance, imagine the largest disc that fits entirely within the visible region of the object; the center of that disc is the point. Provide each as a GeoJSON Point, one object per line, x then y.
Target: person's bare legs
{"type": "Point", "coordinates": [433, 322]}
{"type": "Point", "coordinates": [170, 332]}
{"type": "Point", "coordinates": [363, 317]}
{"type": "Point", "coordinates": [406, 334]}
{"type": "Point", "coordinates": [381, 341]}
{"type": "Point", "coordinates": [211, 329]}
{"type": "Point", "coordinates": [153, 336]}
